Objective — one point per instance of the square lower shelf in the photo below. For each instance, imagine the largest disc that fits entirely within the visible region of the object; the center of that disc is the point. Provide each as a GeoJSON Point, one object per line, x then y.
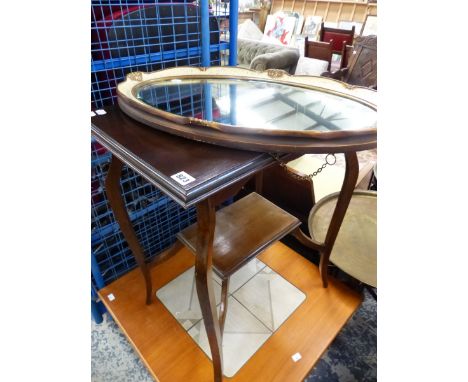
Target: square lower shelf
{"type": "Point", "coordinates": [171, 355]}
{"type": "Point", "coordinates": [243, 229]}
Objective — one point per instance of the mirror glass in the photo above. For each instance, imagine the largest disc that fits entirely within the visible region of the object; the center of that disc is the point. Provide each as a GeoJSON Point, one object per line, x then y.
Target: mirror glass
{"type": "Point", "coordinates": [257, 104]}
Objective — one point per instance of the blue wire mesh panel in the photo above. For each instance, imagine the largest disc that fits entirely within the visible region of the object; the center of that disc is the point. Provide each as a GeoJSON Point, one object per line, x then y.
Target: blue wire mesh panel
{"type": "Point", "coordinates": [155, 217]}
{"type": "Point", "coordinates": [128, 36]}
{"type": "Point", "coordinates": [156, 231]}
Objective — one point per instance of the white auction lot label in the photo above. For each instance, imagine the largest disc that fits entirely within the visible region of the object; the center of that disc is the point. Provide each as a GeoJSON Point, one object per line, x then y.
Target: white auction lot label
{"type": "Point", "coordinates": [296, 357]}
{"type": "Point", "coordinates": [183, 178]}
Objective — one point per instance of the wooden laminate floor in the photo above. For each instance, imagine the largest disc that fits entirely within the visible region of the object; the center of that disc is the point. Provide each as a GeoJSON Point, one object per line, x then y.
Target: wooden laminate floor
{"type": "Point", "coordinates": [171, 355]}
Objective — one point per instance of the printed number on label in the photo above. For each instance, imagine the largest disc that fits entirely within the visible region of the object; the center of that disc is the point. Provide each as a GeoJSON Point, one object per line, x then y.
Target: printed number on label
{"type": "Point", "coordinates": [183, 178]}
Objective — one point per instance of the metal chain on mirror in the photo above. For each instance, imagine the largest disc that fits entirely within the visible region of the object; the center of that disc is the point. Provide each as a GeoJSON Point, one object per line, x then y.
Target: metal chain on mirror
{"type": "Point", "coordinates": [330, 160]}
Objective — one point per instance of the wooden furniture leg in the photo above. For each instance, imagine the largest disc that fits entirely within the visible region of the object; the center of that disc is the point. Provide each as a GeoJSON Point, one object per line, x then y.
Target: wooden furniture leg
{"type": "Point", "coordinates": [224, 304]}
{"type": "Point", "coordinates": [204, 281]}
{"type": "Point", "coordinates": [117, 204]}
{"type": "Point", "coordinates": [259, 182]}
{"type": "Point", "coordinates": [349, 183]}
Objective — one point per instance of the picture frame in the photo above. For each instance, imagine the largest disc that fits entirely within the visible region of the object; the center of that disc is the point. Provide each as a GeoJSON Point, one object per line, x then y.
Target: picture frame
{"type": "Point", "coordinates": [370, 26]}
{"type": "Point", "coordinates": [343, 24]}
{"type": "Point", "coordinates": [280, 27]}
{"type": "Point", "coordinates": [312, 27]}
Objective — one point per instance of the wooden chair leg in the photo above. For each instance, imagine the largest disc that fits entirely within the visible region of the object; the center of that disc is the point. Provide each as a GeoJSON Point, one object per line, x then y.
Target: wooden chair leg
{"type": "Point", "coordinates": [224, 304]}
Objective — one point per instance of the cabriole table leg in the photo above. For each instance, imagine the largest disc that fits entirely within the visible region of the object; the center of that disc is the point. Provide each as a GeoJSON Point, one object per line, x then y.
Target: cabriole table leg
{"type": "Point", "coordinates": [117, 204]}
{"type": "Point", "coordinates": [204, 281]}
{"type": "Point", "coordinates": [349, 183]}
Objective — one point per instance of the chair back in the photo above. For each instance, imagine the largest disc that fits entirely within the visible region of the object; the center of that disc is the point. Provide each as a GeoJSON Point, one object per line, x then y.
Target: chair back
{"type": "Point", "coordinates": [340, 37]}
{"type": "Point", "coordinates": [346, 53]}
{"type": "Point", "coordinates": [363, 62]}
{"type": "Point", "coordinates": [319, 50]}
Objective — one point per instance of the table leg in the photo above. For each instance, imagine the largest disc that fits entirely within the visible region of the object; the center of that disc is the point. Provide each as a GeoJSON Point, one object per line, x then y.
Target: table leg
{"type": "Point", "coordinates": [259, 182]}
{"type": "Point", "coordinates": [347, 189]}
{"type": "Point", "coordinates": [117, 204]}
{"type": "Point", "coordinates": [224, 303]}
{"type": "Point", "coordinates": [204, 281]}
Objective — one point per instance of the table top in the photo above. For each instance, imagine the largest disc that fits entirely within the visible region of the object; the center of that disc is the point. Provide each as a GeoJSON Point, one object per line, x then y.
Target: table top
{"type": "Point", "coordinates": [157, 156]}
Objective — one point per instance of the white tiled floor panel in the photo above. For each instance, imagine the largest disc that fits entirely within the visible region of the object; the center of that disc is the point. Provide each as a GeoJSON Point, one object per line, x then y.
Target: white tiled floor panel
{"type": "Point", "coordinates": [180, 298]}
{"type": "Point", "coordinates": [243, 335]}
{"type": "Point", "coordinates": [270, 297]}
{"type": "Point", "coordinates": [260, 300]}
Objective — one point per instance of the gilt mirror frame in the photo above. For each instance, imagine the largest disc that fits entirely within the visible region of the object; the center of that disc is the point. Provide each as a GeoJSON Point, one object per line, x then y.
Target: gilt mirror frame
{"type": "Point", "coordinates": [204, 130]}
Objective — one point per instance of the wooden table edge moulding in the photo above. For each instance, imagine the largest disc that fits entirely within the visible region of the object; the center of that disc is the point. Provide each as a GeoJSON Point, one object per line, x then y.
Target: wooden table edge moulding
{"type": "Point", "coordinates": [235, 137]}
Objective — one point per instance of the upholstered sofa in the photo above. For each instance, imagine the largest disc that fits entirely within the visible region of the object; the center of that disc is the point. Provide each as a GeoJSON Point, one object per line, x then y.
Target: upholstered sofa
{"type": "Point", "coordinates": [259, 55]}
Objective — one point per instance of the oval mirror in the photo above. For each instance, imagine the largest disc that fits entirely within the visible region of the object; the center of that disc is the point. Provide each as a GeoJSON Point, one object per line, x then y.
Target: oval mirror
{"type": "Point", "coordinates": [241, 101]}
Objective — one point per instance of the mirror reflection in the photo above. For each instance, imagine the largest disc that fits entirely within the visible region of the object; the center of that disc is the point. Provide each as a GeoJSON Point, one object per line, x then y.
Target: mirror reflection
{"type": "Point", "coordinates": [257, 104]}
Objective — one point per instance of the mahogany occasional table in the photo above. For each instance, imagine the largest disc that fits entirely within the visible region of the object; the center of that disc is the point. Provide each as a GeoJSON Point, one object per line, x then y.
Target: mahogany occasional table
{"type": "Point", "coordinates": [205, 175]}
